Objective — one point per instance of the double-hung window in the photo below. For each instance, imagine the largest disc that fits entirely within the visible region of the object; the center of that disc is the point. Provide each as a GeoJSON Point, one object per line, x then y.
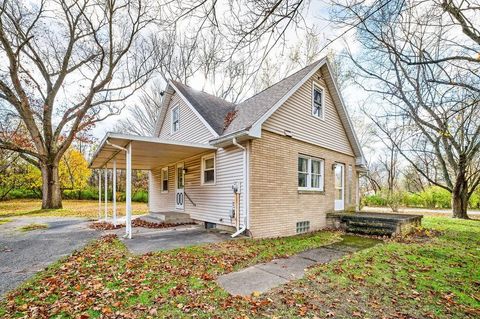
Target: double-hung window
{"type": "Point", "coordinates": [318, 98]}
{"type": "Point", "coordinates": [175, 119]}
{"type": "Point", "coordinates": [165, 179]}
{"type": "Point", "coordinates": [310, 173]}
{"type": "Point", "coordinates": [208, 169]}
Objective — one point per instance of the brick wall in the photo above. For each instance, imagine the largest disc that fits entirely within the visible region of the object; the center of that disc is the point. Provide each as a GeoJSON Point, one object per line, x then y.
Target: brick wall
{"type": "Point", "coordinates": [276, 204]}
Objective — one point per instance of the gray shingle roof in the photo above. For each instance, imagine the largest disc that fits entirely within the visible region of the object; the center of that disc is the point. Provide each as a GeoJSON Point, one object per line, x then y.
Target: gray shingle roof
{"type": "Point", "coordinates": [213, 109]}
{"type": "Point", "coordinates": [252, 109]}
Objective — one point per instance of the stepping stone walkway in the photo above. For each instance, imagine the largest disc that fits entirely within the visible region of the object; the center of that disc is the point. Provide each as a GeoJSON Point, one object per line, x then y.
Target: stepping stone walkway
{"type": "Point", "coordinates": [263, 277]}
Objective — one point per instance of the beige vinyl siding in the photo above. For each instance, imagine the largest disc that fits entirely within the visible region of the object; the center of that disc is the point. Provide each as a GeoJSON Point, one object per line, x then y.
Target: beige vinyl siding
{"type": "Point", "coordinates": [296, 116]}
{"type": "Point", "coordinates": [191, 128]}
{"type": "Point", "coordinates": [159, 201]}
{"type": "Point", "coordinates": [213, 202]}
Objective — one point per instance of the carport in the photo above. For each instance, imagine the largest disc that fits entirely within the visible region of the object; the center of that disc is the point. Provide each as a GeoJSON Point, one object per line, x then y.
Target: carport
{"type": "Point", "coordinates": [122, 151]}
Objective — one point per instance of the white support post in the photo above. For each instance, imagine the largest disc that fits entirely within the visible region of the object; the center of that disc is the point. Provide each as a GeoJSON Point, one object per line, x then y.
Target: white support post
{"type": "Point", "coordinates": [114, 192]}
{"type": "Point", "coordinates": [357, 194]}
{"type": "Point", "coordinates": [128, 190]}
{"type": "Point", "coordinates": [106, 193]}
{"type": "Point", "coordinates": [99, 194]}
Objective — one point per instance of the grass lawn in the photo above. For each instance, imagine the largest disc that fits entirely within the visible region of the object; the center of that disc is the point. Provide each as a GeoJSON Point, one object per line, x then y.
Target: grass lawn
{"type": "Point", "coordinates": [71, 208]}
{"type": "Point", "coordinates": [437, 277]}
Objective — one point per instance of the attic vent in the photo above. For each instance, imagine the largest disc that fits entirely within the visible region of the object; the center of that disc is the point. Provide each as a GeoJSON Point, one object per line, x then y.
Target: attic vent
{"type": "Point", "coordinates": [303, 227]}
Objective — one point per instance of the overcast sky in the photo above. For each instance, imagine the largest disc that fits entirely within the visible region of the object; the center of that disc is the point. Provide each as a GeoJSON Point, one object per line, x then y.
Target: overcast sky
{"type": "Point", "coordinates": [317, 15]}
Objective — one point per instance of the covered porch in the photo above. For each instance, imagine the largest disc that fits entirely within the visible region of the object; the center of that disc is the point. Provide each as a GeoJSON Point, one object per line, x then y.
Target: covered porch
{"type": "Point", "coordinates": [129, 152]}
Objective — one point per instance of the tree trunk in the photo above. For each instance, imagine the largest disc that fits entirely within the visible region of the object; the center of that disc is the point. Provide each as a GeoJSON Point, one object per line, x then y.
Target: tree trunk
{"type": "Point", "coordinates": [51, 192]}
{"type": "Point", "coordinates": [460, 198]}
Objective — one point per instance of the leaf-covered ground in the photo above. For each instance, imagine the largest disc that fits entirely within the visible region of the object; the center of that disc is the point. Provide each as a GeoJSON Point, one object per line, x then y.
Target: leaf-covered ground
{"type": "Point", "coordinates": [436, 277]}
{"type": "Point", "coordinates": [71, 208]}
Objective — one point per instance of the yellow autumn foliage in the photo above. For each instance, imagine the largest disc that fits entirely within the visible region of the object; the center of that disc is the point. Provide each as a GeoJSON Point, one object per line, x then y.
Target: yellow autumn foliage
{"type": "Point", "coordinates": [73, 170]}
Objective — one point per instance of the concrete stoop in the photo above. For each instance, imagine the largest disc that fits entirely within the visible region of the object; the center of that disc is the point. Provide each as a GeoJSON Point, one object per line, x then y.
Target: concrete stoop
{"type": "Point", "coordinates": [168, 217]}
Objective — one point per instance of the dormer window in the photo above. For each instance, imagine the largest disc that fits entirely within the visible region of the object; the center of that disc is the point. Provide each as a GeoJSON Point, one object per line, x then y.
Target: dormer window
{"type": "Point", "coordinates": [318, 101]}
{"type": "Point", "coordinates": [175, 119]}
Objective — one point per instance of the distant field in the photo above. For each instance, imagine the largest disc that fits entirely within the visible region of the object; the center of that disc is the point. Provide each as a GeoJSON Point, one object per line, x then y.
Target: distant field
{"type": "Point", "coordinates": [71, 208]}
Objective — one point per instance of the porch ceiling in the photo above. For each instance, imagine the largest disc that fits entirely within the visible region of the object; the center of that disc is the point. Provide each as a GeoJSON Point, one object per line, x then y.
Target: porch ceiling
{"type": "Point", "coordinates": [147, 152]}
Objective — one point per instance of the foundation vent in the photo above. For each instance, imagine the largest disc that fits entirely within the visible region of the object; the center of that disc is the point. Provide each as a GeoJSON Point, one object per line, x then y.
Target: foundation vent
{"type": "Point", "coordinates": [303, 227]}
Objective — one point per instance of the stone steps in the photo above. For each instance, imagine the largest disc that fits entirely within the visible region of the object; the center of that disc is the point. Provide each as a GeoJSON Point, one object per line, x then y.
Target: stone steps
{"type": "Point", "coordinates": [374, 223]}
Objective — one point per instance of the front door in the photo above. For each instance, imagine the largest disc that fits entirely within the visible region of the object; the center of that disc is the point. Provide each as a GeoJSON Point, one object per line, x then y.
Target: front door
{"type": "Point", "coordinates": [180, 187]}
{"type": "Point", "coordinates": [339, 186]}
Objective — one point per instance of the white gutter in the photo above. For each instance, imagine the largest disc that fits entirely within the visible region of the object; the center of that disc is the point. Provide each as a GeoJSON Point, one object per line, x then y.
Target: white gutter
{"type": "Point", "coordinates": [245, 172]}
{"type": "Point", "coordinates": [232, 136]}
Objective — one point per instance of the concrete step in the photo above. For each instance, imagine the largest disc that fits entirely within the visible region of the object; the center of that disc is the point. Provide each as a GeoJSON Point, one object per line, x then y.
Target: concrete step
{"type": "Point", "coordinates": [374, 227]}
{"type": "Point", "coordinates": [168, 217]}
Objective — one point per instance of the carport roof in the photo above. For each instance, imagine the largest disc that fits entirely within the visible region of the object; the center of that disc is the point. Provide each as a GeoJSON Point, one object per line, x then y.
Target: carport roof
{"type": "Point", "coordinates": [147, 152]}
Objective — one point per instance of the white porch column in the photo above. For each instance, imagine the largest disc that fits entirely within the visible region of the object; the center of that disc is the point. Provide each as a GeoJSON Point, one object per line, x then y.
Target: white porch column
{"type": "Point", "coordinates": [128, 190]}
{"type": "Point", "coordinates": [99, 194]}
{"type": "Point", "coordinates": [114, 192]}
{"type": "Point", "coordinates": [106, 193]}
{"type": "Point", "coordinates": [357, 193]}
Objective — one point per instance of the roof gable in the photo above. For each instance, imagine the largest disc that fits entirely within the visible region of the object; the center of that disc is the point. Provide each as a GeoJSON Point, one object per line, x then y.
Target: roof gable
{"type": "Point", "coordinates": [259, 106]}
{"type": "Point", "coordinates": [210, 108]}
{"type": "Point", "coordinates": [250, 114]}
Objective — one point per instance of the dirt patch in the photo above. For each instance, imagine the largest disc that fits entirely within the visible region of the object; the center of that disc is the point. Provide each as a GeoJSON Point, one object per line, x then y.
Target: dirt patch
{"type": "Point", "coordinates": [33, 226]}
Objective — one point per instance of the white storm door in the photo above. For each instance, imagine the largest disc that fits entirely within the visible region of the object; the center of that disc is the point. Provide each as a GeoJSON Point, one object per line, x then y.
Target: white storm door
{"type": "Point", "coordinates": [339, 186]}
{"type": "Point", "coordinates": [179, 187]}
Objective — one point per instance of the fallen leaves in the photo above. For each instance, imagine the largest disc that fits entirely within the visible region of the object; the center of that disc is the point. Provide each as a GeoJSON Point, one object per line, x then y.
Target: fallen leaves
{"type": "Point", "coordinates": [138, 222]}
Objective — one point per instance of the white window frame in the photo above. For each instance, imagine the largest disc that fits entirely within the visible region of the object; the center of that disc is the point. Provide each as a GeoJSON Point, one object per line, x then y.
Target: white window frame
{"type": "Point", "coordinates": [202, 175]}
{"type": "Point", "coordinates": [309, 187]}
{"type": "Point", "coordinates": [172, 127]}
{"type": "Point", "coordinates": [316, 85]}
{"type": "Point", "coordinates": [164, 173]}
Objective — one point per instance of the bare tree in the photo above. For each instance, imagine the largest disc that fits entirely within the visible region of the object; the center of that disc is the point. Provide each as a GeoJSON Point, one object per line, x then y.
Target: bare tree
{"type": "Point", "coordinates": [418, 58]}
{"type": "Point", "coordinates": [67, 65]}
{"type": "Point", "coordinates": [142, 118]}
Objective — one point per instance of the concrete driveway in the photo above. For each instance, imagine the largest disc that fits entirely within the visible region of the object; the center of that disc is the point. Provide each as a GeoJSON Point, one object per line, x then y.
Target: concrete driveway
{"type": "Point", "coordinates": [22, 254]}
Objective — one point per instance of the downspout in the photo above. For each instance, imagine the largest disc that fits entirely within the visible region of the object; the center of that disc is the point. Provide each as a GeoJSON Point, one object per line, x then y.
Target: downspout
{"type": "Point", "coordinates": [242, 229]}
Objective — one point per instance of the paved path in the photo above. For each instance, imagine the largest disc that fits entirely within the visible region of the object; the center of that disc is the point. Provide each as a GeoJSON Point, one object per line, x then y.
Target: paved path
{"type": "Point", "coordinates": [146, 240]}
{"type": "Point", "coordinates": [22, 254]}
{"type": "Point", "coordinates": [263, 277]}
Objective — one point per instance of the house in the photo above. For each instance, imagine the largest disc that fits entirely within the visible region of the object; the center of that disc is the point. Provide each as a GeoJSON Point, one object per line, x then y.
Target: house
{"type": "Point", "coordinates": [272, 165]}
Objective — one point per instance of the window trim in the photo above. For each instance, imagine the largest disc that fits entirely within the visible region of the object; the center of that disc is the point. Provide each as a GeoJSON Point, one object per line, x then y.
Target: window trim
{"type": "Point", "coordinates": [309, 174]}
{"type": "Point", "coordinates": [202, 175]}
{"type": "Point", "coordinates": [316, 85]}
{"type": "Point", "coordinates": [176, 107]}
{"type": "Point", "coordinates": [164, 172]}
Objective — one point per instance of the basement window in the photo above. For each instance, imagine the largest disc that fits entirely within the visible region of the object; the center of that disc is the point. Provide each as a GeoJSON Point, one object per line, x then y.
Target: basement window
{"type": "Point", "coordinates": [303, 227]}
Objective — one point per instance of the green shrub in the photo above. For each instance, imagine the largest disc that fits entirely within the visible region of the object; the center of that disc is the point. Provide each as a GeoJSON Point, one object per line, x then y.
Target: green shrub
{"type": "Point", "coordinates": [412, 200]}
{"type": "Point", "coordinates": [374, 200]}
{"type": "Point", "coordinates": [141, 196]}
{"type": "Point", "coordinates": [21, 194]}
{"type": "Point", "coordinates": [436, 197]}
{"type": "Point", "coordinates": [474, 202]}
